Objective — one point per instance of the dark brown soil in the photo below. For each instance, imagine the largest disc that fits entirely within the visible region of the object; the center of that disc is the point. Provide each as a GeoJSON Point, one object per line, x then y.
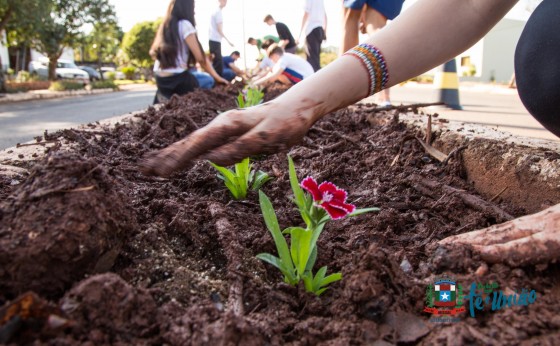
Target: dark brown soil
{"type": "Point", "coordinates": [116, 257]}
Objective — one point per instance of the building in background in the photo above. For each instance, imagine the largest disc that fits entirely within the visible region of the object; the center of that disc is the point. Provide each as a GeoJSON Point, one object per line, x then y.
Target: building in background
{"type": "Point", "coordinates": [4, 57]}
{"type": "Point", "coordinates": [491, 58]}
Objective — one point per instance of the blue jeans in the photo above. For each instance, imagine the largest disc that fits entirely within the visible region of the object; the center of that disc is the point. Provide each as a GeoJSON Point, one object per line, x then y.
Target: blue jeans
{"type": "Point", "coordinates": [205, 80]}
{"type": "Point", "coordinates": [228, 74]}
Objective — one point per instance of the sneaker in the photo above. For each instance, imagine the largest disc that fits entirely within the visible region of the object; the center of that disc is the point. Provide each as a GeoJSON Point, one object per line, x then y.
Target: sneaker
{"type": "Point", "coordinates": [385, 104]}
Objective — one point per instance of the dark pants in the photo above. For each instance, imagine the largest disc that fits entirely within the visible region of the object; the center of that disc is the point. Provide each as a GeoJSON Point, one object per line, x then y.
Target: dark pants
{"type": "Point", "coordinates": [216, 51]}
{"type": "Point", "coordinates": [314, 40]}
{"type": "Point", "coordinates": [537, 65]}
{"type": "Point", "coordinates": [179, 84]}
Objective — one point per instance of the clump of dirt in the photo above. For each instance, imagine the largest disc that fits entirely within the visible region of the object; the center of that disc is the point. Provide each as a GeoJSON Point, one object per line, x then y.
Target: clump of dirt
{"type": "Point", "coordinates": [68, 219]}
{"type": "Point", "coordinates": [187, 274]}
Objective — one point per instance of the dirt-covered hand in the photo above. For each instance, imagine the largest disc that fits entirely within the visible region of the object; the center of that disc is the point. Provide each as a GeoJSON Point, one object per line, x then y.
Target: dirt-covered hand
{"type": "Point", "coordinates": [233, 136]}
{"type": "Point", "coordinates": [527, 240]}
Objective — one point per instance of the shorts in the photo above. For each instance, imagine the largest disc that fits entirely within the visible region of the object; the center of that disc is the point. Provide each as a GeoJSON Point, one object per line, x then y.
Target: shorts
{"type": "Point", "coordinates": [388, 8]}
{"type": "Point", "coordinates": [292, 75]}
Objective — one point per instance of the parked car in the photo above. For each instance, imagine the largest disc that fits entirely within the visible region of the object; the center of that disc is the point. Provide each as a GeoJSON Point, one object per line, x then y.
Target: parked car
{"type": "Point", "coordinates": [93, 74]}
{"type": "Point", "coordinates": [106, 70]}
{"type": "Point", "coordinates": [65, 69]}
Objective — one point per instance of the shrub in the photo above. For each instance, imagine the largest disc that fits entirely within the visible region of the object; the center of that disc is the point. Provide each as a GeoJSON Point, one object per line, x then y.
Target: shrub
{"type": "Point", "coordinates": [23, 76]}
{"type": "Point", "coordinates": [65, 85]}
{"type": "Point", "coordinates": [129, 72]}
{"type": "Point", "coordinates": [110, 76]}
{"type": "Point", "coordinates": [106, 84]}
{"type": "Point", "coordinates": [14, 87]}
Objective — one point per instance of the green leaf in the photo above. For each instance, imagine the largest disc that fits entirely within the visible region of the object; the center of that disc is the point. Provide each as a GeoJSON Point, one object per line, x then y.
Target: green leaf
{"type": "Point", "coordinates": [321, 291]}
{"type": "Point", "coordinates": [226, 173]}
{"type": "Point", "coordinates": [308, 282]}
{"type": "Point", "coordinates": [363, 211]}
{"type": "Point", "coordinates": [300, 248]}
{"type": "Point", "coordinates": [272, 224]}
{"type": "Point", "coordinates": [331, 278]}
{"type": "Point", "coordinates": [312, 260]}
{"type": "Point", "coordinates": [271, 259]}
{"type": "Point", "coordinates": [318, 279]}
{"type": "Point", "coordinates": [260, 179]}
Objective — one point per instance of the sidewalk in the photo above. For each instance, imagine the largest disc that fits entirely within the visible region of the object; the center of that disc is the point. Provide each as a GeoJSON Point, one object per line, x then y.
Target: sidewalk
{"type": "Point", "coordinates": [47, 94]}
{"type": "Point", "coordinates": [494, 109]}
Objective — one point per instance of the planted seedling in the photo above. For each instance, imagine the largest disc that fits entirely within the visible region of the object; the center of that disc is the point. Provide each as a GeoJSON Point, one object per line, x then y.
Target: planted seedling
{"type": "Point", "coordinates": [323, 203]}
{"type": "Point", "coordinates": [250, 97]}
{"type": "Point", "coordinates": [238, 180]}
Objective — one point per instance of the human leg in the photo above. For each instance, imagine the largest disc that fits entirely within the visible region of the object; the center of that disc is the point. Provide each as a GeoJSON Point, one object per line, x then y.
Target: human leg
{"type": "Point", "coordinates": [313, 42]}
{"type": "Point", "coordinates": [217, 60]}
{"type": "Point", "coordinates": [205, 80]}
{"type": "Point", "coordinates": [228, 74]}
{"type": "Point", "coordinates": [351, 12]}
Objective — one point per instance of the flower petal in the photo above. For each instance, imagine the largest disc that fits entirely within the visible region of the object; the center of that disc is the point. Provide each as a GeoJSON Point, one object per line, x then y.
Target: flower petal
{"type": "Point", "coordinates": [349, 208]}
{"type": "Point", "coordinates": [334, 212]}
{"type": "Point", "coordinates": [337, 194]}
{"type": "Point", "coordinates": [311, 186]}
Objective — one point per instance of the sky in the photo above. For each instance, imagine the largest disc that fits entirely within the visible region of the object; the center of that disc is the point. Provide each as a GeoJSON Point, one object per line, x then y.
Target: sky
{"type": "Point", "coordinates": [289, 12]}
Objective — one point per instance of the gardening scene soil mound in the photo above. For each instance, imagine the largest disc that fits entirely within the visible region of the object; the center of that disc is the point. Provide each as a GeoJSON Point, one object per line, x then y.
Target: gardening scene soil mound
{"type": "Point", "coordinates": [93, 252]}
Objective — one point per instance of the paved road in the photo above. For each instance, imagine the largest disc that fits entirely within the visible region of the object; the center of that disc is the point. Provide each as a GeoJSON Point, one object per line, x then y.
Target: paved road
{"type": "Point", "coordinates": [495, 107]}
{"type": "Point", "coordinates": [21, 121]}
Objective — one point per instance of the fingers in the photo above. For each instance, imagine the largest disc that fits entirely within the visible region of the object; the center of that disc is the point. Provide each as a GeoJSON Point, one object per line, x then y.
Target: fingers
{"type": "Point", "coordinates": [223, 129]}
{"type": "Point", "coordinates": [263, 139]}
{"type": "Point", "coordinates": [547, 220]}
{"type": "Point", "coordinates": [537, 248]}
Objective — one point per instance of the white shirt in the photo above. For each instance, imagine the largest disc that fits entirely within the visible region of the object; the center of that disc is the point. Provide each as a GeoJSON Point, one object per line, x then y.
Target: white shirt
{"type": "Point", "coordinates": [185, 29]}
{"type": "Point", "coordinates": [294, 63]}
{"type": "Point", "coordinates": [215, 20]}
{"type": "Point", "coordinates": [316, 15]}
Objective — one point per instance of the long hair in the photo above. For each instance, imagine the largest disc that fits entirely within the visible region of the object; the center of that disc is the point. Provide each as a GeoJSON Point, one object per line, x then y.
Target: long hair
{"type": "Point", "coordinates": [167, 42]}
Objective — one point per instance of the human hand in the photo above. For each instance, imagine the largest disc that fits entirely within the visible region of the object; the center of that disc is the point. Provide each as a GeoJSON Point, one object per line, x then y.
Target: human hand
{"type": "Point", "coordinates": [222, 80]}
{"type": "Point", "coordinates": [527, 240]}
{"type": "Point", "coordinates": [233, 136]}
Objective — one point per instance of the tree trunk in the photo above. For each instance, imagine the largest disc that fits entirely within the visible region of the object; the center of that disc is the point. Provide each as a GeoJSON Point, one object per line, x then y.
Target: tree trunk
{"type": "Point", "coordinates": [2, 78]}
{"type": "Point", "coordinates": [100, 62]}
{"type": "Point", "coordinates": [53, 60]}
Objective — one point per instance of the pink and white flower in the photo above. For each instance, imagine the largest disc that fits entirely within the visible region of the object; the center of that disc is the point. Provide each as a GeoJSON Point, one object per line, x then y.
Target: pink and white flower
{"type": "Point", "coordinates": [328, 197]}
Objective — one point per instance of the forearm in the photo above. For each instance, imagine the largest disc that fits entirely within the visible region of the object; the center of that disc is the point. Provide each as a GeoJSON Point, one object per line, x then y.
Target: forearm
{"type": "Point", "coordinates": [419, 39]}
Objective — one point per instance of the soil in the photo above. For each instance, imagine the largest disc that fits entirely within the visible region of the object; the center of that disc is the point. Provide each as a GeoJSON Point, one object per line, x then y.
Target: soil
{"type": "Point", "coordinates": [93, 252]}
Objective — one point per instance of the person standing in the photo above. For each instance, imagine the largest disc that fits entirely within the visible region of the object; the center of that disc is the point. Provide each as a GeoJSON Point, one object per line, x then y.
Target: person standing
{"type": "Point", "coordinates": [315, 24]}
{"type": "Point", "coordinates": [216, 33]}
{"type": "Point", "coordinates": [287, 40]}
{"type": "Point", "coordinates": [372, 16]}
{"type": "Point", "coordinates": [175, 47]}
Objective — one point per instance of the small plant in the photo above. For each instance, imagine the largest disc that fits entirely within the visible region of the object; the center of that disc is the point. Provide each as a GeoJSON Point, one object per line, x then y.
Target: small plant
{"type": "Point", "coordinates": [250, 97]}
{"type": "Point", "coordinates": [64, 85]}
{"type": "Point", "coordinates": [106, 84]}
{"type": "Point", "coordinates": [129, 72]}
{"type": "Point", "coordinates": [238, 180]}
{"type": "Point", "coordinates": [323, 203]}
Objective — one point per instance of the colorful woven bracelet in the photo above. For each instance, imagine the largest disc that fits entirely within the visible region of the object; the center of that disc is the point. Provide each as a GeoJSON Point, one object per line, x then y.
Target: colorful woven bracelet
{"type": "Point", "coordinates": [373, 61]}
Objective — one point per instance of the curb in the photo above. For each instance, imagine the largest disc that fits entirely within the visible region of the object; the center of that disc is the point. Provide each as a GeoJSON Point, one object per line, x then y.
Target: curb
{"type": "Point", "coordinates": [46, 95]}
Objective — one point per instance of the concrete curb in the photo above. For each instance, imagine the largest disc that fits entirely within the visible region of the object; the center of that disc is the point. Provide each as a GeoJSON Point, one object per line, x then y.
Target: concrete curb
{"type": "Point", "coordinates": [45, 95]}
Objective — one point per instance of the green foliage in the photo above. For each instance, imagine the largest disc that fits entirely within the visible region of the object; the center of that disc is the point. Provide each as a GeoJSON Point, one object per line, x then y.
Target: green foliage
{"type": "Point", "coordinates": [137, 43]}
{"type": "Point", "coordinates": [129, 72]}
{"type": "Point", "coordinates": [250, 97]}
{"type": "Point", "coordinates": [64, 85]}
{"type": "Point", "coordinates": [23, 76]}
{"type": "Point", "coordinates": [111, 76]}
{"type": "Point", "coordinates": [238, 180]}
{"type": "Point", "coordinates": [104, 84]}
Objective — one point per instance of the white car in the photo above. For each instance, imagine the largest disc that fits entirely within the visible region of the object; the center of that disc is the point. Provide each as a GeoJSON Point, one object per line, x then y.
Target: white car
{"type": "Point", "coordinates": [65, 69]}
{"type": "Point", "coordinates": [118, 74]}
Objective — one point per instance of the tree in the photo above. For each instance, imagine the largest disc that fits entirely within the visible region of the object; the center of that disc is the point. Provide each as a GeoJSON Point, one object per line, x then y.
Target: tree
{"type": "Point", "coordinates": [19, 18]}
{"type": "Point", "coordinates": [62, 28]}
{"type": "Point", "coordinates": [137, 42]}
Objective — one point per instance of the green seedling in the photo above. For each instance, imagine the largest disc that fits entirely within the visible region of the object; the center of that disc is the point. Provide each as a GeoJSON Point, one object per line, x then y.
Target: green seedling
{"type": "Point", "coordinates": [250, 97]}
{"type": "Point", "coordinates": [238, 180]}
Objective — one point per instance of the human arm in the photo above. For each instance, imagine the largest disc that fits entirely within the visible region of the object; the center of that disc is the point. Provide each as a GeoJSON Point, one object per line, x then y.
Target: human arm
{"type": "Point", "coordinates": [268, 77]}
{"type": "Point", "coordinates": [196, 51]}
{"type": "Point", "coordinates": [303, 22]}
{"type": "Point", "coordinates": [220, 27]}
{"type": "Point", "coordinates": [424, 32]}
